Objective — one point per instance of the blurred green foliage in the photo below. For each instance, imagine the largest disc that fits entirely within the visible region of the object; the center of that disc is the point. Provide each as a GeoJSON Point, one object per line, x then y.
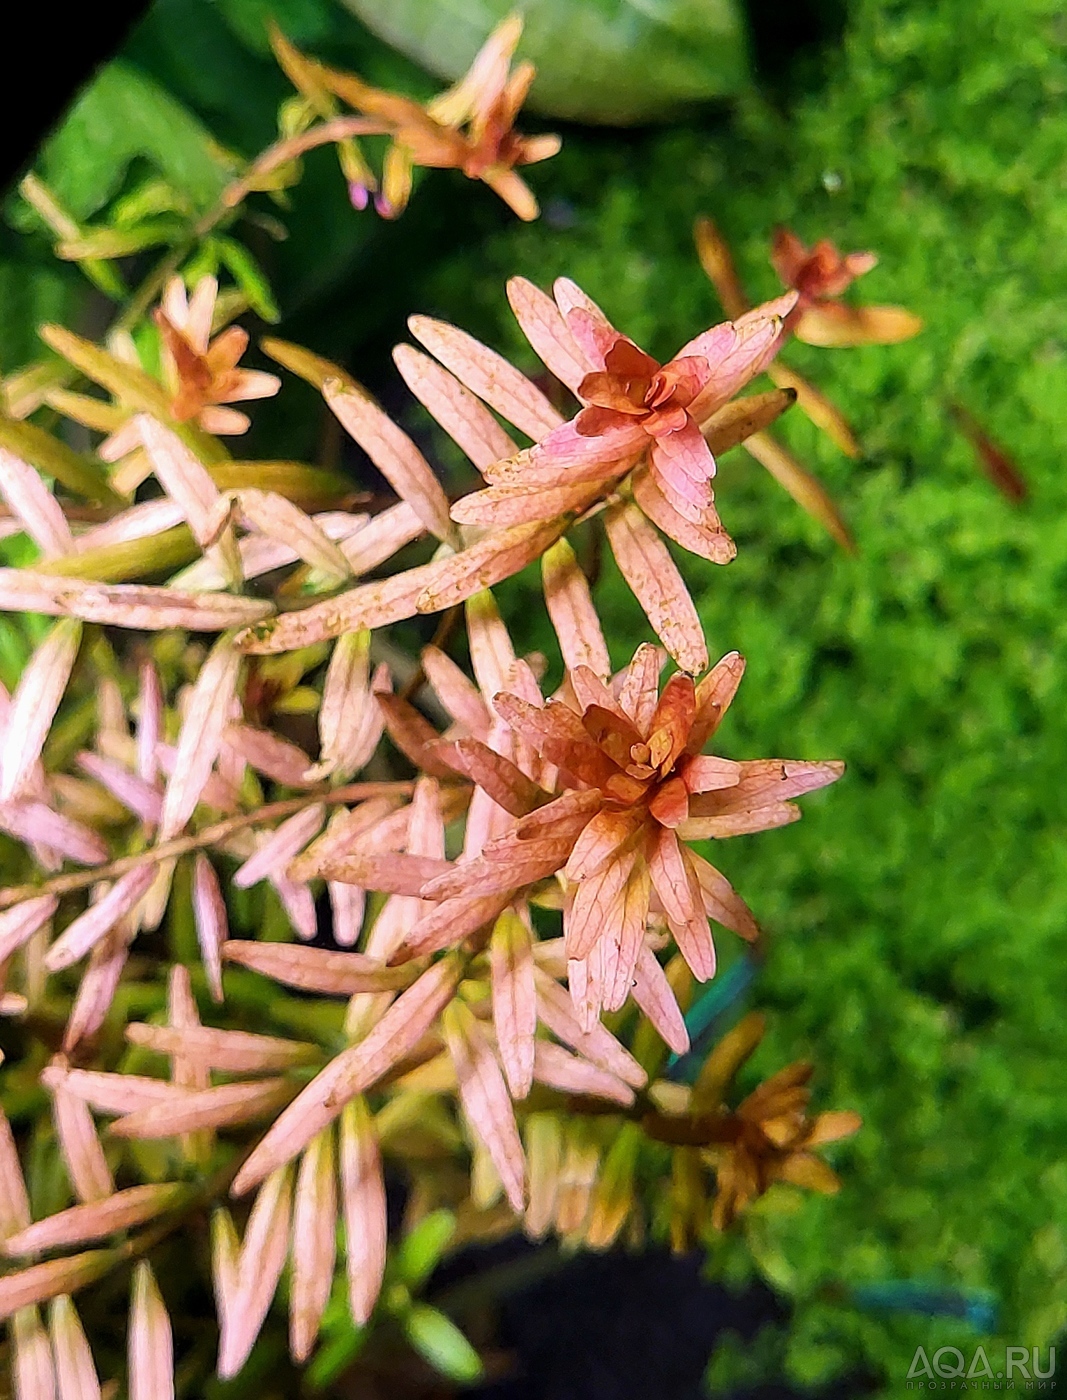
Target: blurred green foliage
{"type": "Point", "coordinates": [611, 61]}
{"type": "Point", "coordinates": [918, 914]}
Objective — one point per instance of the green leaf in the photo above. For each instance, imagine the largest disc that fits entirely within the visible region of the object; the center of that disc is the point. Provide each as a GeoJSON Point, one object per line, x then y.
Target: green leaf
{"type": "Point", "coordinates": [124, 114]}
{"type": "Point", "coordinates": [420, 1252]}
{"type": "Point", "coordinates": [442, 1343]}
{"type": "Point", "coordinates": [119, 242]}
{"type": "Point", "coordinates": [620, 62]}
{"type": "Point", "coordinates": [249, 276]}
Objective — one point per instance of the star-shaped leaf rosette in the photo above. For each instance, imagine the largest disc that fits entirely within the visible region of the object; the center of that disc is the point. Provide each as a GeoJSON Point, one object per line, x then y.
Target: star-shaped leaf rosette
{"type": "Point", "coordinates": [641, 449]}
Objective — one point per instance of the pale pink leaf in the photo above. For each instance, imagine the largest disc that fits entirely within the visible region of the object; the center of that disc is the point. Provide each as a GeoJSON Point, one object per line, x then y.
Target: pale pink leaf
{"type": "Point", "coordinates": [21, 922]}
{"type": "Point", "coordinates": [380, 538]}
{"type": "Point", "coordinates": [489, 375]}
{"type": "Point", "coordinates": [543, 325]}
{"type": "Point", "coordinates": [34, 505]}
{"type": "Point", "coordinates": [259, 1268]}
{"type": "Point", "coordinates": [363, 1199]}
{"type": "Point", "coordinates": [455, 692]}
{"type": "Point", "coordinates": [185, 479]}
{"type": "Point", "coordinates": [278, 849]}
{"type": "Point", "coordinates": [645, 563]}
{"type": "Point", "coordinates": [235, 1052]}
{"type": "Point", "coordinates": [350, 722]}
{"type": "Point", "coordinates": [492, 655]}
{"type": "Point", "coordinates": [40, 1282]}
{"type": "Point", "coordinates": [276, 517]}
{"type": "Point", "coordinates": [347, 906]}
{"type": "Point", "coordinates": [138, 523]}
{"type": "Point", "coordinates": [31, 1363]}
{"type": "Point", "coordinates": [393, 453]}
{"type": "Point", "coordinates": [652, 993]}
{"type": "Point", "coordinates": [570, 1074]}
{"type": "Point", "coordinates": [142, 798]}
{"type": "Point", "coordinates": [212, 925]}
{"type": "Point", "coordinates": [34, 705]}
{"type": "Point", "coordinates": [570, 607]}
{"type": "Point", "coordinates": [107, 1092]}
{"type": "Point", "coordinates": [353, 1071]}
{"type": "Point", "coordinates": [98, 985]}
{"type": "Point", "coordinates": [484, 1096]}
{"type": "Point", "coordinates": [676, 885]}
{"type": "Point", "coordinates": [298, 903]}
{"type": "Point", "coordinates": [514, 999]}
{"type": "Point", "coordinates": [314, 1243]}
{"type": "Point", "coordinates": [14, 1202]}
{"type": "Point", "coordinates": [136, 605]}
{"type": "Point", "coordinates": [97, 1219]}
{"type": "Point", "coordinates": [76, 1377]}
{"type": "Point", "coordinates": [594, 903]}
{"type": "Point", "coordinates": [496, 556]}
{"type": "Point", "coordinates": [591, 329]}
{"type": "Point", "coordinates": [638, 685]}
{"type": "Point", "coordinates": [151, 1346]}
{"type": "Point", "coordinates": [496, 507]}
{"type": "Point", "coordinates": [189, 1110]}
{"type": "Point", "coordinates": [464, 417]}
{"type": "Point", "coordinates": [317, 969]}
{"type": "Point", "coordinates": [80, 1147]}
{"type": "Point", "coordinates": [554, 1008]}
{"type": "Point", "coordinates": [38, 824]}
{"type": "Point", "coordinates": [268, 753]}
{"type": "Point", "coordinates": [100, 918]}
{"type": "Point", "coordinates": [201, 735]}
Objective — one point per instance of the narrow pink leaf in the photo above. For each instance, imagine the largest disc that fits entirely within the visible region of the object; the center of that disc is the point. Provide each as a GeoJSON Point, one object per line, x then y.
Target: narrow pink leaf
{"type": "Point", "coordinates": [317, 969]}
{"type": "Point", "coordinates": [492, 655]}
{"type": "Point", "coordinates": [353, 1071]}
{"type": "Point", "coordinates": [14, 1202]}
{"type": "Point", "coordinates": [393, 453]}
{"type": "Point", "coordinates": [676, 885]}
{"type": "Point", "coordinates": [314, 1243]}
{"type": "Point", "coordinates": [706, 539]}
{"type": "Point", "coordinates": [347, 906]}
{"type": "Point", "coordinates": [277, 518]}
{"type": "Point", "coordinates": [40, 1282]}
{"type": "Point", "coordinates": [455, 692]}
{"type": "Point", "coordinates": [594, 902]}
{"type": "Point", "coordinates": [570, 1074]}
{"type": "Point", "coordinates": [505, 783]}
{"type": "Point", "coordinates": [380, 538]}
{"type": "Point", "coordinates": [484, 1096]}
{"type": "Point", "coordinates": [38, 511]}
{"type": "Point", "coordinates": [21, 922]}
{"type": "Point", "coordinates": [543, 326]}
{"type": "Point", "coordinates": [489, 375]}
{"type": "Point", "coordinates": [107, 1092]}
{"type": "Point", "coordinates": [363, 1199]}
{"type": "Point", "coordinates": [499, 506]}
{"type": "Point", "coordinates": [138, 523]}
{"type": "Point", "coordinates": [645, 563]}
{"type": "Point", "coordinates": [100, 918]}
{"type": "Point", "coordinates": [464, 417]}
{"type": "Point", "coordinates": [142, 798]}
{"type": "Point", "coordinates": [259, 1268]}
{"type": "Point", "coordinates": [570, 607]}
{"type": "Point", "coordinates": [80, 1147]}
{"type": "Point", "coordinates": [346, 740]}
{"type": "Point", "coordinates": [212, 926]}
{"type": "Point", "coordinates": [592, 331]}
{"type": "Point", "coordinates": [151, 1346]}
{"type": "Point", "coordinates": [554, 1008]}
{"type": "Point", "coordinates": [34, 705]}
{"type": "Point", "coordinates": [652, 993]}
{"type": "Point", "coordinates": [201, 735]}
{"type": "Point", "coordinates": [622, 941]}
{"type": "Point", "coordinates": [514, 999]}
{"type": "Point", "coordinates": [185, 479]}
{"type": "Point", "coordinates": [235, 1052]}
{"type": "Point", "coordinates": [638, 685]}
{"type": "Point", "coordinates": [37, 824]}
{"type": "Point", "coordinates": [286, 841]}
{"type": "Point", "coordinates": [31, 1364]}
{"type": "Point", "coordinates": [713, 696]}
{"type": "Point", "coordinates": [447, 924]}
{"type": "Point", "coordinates": [496, 556]}
{"type": "Point", "coordinates": [268, 753]}
{"type": "Point", "coordinates": [98, 985]}
{"type": "Point", "coordinates": [136, 605]}
{"type": "Point", "coordinates": [76, 1376]}
{"type": "Point", "coordinates": [721, 901]}
{"type": "Point", "coordinates": [396, 873]}
{"type": "Point", "coordinates": [96, 1220]}
{"type": "Point", "coordinates": [189, 1110]}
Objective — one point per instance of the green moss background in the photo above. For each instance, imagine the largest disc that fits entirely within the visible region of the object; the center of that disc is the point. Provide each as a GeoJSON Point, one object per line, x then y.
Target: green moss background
{"type": "Point", "coordinates": [917, 916]}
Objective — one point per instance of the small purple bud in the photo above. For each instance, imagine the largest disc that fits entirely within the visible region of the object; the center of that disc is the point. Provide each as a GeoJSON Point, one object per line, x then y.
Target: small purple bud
{"type": "Point", "coordinates": [357, 194]}
{"type": "Point", "coordinates": [384, 207]}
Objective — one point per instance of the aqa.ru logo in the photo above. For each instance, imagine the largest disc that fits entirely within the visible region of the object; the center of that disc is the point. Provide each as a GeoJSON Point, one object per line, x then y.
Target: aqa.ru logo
{"type": "Point", "coordinates": [948, 1369]}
